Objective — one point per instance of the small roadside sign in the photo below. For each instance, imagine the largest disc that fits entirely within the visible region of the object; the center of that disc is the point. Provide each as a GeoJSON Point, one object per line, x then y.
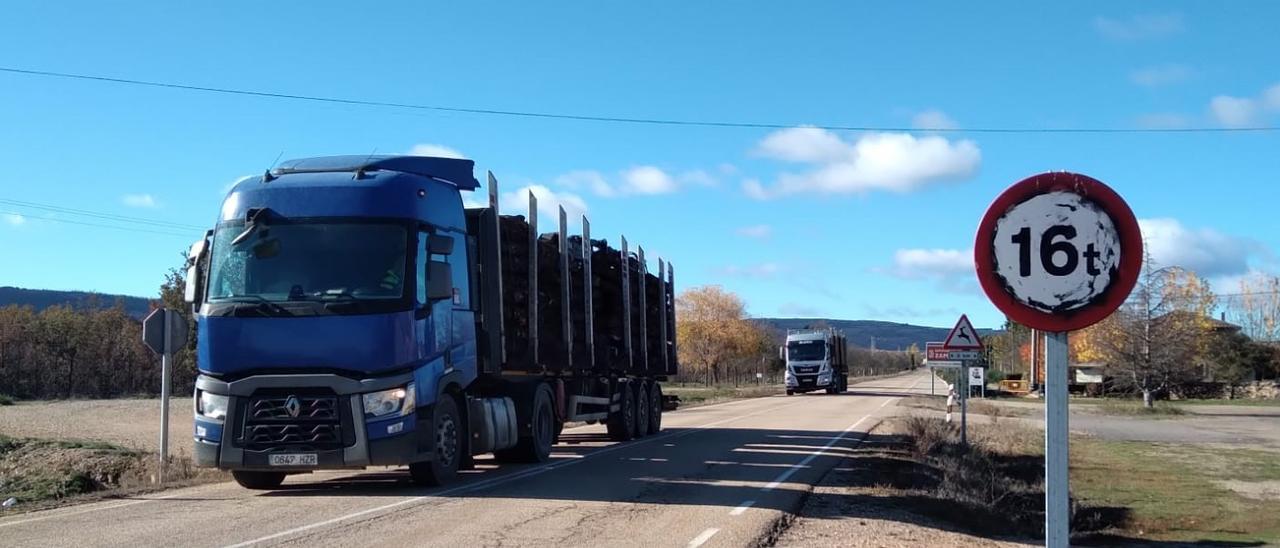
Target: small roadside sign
{"type": "Point", "coordinates": [976, 376]}
{"type": "Point", "coordinates": [164, 332]}
{"type": "Point", "coordinates": [961, 355]}
{"type": "Point", "coordinates": [963, 336]}
{"type": "Point", "coordinates": [945, 364]}
{"type": "Point", "coordinates": [935, 351]}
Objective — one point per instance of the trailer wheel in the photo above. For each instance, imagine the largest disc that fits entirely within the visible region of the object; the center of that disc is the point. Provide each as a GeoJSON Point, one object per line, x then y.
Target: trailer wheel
{"type": "Point", "coordinates": [622, 423]}
{"type": "Point", "coordinates": [258, 480]}
{"type": "Point", "coordinates": [642, 410]}
{"type": "Point", "coordinates": [446, 446]}
{"type": "Point", "coordinates": [655, 408]}
{"type": "Point", "coordinates": [536, 447]}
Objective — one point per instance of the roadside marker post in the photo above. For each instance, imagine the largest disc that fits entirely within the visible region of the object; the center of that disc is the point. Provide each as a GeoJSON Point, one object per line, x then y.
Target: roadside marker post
{"type": "Point", "coordinates": [164, 332]}
{"type": "Point", "coordinates": [962, 346]}
{"type": "Point", "coordinates": [1057, 252]}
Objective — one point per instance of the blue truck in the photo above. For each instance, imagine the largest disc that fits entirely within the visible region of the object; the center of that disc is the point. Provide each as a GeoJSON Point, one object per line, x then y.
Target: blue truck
{"type": "Point", "coordinates": [351, 312]}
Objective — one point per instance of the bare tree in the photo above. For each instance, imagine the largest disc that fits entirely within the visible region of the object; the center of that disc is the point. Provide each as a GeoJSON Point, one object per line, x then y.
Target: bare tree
{"type": "Point", "coordinates": [715, 334]}
{"type": "Point", "coordinates": [1153, 342]}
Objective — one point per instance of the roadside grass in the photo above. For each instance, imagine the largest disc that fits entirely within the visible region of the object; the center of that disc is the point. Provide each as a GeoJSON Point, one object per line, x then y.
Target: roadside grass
{"type": "Point", "coordinates": [6, 399]}
{"type": "Point", "coordinates": [693, 395]}
{"type": "Point", "coordinates": [1181, 492]}
{"type": "Point", "coordinates": [1137, 409]}
{"type": "Point", "coordinates": [976, 407]}
{"type": "Point", "coordinates": [40, 473]}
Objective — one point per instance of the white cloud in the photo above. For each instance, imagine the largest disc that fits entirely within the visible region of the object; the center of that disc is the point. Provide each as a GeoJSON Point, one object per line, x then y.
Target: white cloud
{"type": "Point", "coordinates": [14, 219]}
{"type": "Point", "coordinates": [637, 180]}
{"type": "Point", "coordinates": [438, 151]}
{"type": "Point", "coordinates": [950, 269]}
{"type": "Point", "coordinates": [933, 119]}
{"type": "Point", "coordinates": [1139, 27]}
{"type": "Point", "coordinates": [139, 200]}
{"type": "Point", "coordinates": [1271, 98]}
{"type": "Point", "coordinates": [1162, 120]}
{"type": "Point", "coordinates": [759, 232]}
{"type": "Point", "coordinates": [1160, 75]}
{"type": "Point", "coordinates": [1234, 111]}
{"type": "Point", "coordinates": [549, 202]}
{"type": "Point", "coordinates": [1205, 251]}
{"type": "Point", "coordinates": [897, 162]}
{"type": "Point", "coordinates": [647, 180]}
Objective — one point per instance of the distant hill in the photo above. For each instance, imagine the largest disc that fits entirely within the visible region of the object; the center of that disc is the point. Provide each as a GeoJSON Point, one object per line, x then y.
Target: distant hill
{"type": "Point", "coordinates": [887, 335]}
{"type": "Point", "coordinates": [40, 299]}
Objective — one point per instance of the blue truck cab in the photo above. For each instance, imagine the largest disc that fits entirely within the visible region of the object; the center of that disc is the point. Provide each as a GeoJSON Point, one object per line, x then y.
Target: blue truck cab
{"type": "Point", "coordinates": [337, 309]}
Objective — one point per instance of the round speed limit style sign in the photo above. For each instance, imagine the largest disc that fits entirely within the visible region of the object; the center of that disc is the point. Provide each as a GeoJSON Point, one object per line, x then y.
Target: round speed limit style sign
{"type": "Point", "coordinates": [1058, 251]}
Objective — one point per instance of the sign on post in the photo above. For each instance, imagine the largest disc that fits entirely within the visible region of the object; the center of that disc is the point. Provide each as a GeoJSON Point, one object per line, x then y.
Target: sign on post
{"type": "Point", "coordinates": [1057, 252]}
{"type": "Point", "coordinates": [978, 377]}
{"type": "Point", "coordinates": [935, 351]}
{"type": "Point", "coordinates": [164, 331]}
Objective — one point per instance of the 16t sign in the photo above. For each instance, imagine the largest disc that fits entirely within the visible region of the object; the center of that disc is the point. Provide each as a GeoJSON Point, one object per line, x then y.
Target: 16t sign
{"type": "Point", "coordinates": [1058, 251]}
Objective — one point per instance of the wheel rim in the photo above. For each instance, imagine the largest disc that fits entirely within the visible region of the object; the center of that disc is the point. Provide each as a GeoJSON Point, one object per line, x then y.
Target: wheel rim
{"type": "Point", "coordinates": [447, 441]}
{"type": "Point", "coordinates": [642, 413]}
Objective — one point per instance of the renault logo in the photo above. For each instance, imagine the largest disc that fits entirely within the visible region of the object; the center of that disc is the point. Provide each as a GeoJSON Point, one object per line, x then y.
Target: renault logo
{"type": "Point", "coordinates": [292, 406]}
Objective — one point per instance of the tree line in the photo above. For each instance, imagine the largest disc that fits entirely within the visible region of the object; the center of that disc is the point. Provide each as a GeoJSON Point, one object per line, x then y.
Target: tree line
{"type": "Point", "coordinates": [719, 344]}
{"type": "Point", "coordinates": [90, 351]}
{"type": "Point", "coordinates": [1168, 337]}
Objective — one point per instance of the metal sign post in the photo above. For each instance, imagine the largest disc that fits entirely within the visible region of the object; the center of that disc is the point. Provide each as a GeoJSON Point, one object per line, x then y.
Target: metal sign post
{"type": "Point", "coordinates": [1057, 252]}
{"type": "Point", "coordinates": [164, 332]}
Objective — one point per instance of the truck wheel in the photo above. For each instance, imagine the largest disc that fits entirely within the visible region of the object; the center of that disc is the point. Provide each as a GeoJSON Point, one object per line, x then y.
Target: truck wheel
{"type": "Point", "coordinates": [446, 432]}
{"type": "Point", "coordinates": [258, 480]}
{"type": "Point", "coordinates": [655, 408]}
{"type": "Point", "coordinates": [642, 410]}
{"type": "Point", "coordinates": [790, 392]}
{"type": "Point", "coordinates": [831, 388]}
{"type": "Point", "coordinates": [622, 424]}
{"type": "Point", "coordinates": [537, 446]}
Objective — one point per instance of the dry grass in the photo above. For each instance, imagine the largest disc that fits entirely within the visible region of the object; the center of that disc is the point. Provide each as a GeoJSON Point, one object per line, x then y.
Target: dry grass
{"type": "Point", "coordinates": [42, 473]}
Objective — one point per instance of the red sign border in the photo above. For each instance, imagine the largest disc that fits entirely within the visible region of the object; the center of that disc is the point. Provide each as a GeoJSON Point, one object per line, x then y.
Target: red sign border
{"type": "Point", "coordinates": [976, 345]}
{"type": "Point", "coordinates": [1092, 189]}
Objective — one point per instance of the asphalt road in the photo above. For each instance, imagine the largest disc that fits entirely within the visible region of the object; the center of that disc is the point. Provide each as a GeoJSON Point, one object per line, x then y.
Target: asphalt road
{"type": "Point", "coordinates": [718, 475]}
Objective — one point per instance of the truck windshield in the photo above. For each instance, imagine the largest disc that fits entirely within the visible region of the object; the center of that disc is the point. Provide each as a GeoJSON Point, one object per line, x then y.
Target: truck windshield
{"type": "Point", "coordinates": [802, 351]}
{"type": "Point", "coordinates": [309, 262]}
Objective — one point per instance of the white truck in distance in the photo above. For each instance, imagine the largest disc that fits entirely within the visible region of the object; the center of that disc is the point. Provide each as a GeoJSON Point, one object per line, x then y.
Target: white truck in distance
{"type": "Point", "coordinates": [815, 360]}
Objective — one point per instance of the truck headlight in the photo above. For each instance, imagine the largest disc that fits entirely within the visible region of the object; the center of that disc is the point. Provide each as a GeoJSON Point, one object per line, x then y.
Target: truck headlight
{"type": "Point", "coordinates": [824, 378]}
{"type": "Point", "coordinates": [213, 406]}
{"type": "Point", "coordinates": [388, 402]}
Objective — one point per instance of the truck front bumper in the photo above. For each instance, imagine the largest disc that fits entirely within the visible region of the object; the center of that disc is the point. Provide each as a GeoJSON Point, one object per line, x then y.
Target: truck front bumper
{"type": "Point", "coordinates": [386, 442]}
{"type": "Point", "coordinates": [809, 383]}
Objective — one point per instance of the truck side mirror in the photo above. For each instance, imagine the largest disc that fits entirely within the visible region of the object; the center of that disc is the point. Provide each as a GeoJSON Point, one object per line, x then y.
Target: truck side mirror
{"type": "Point", "coordinates": [439, 280]}
{"type": "Point", "coordinates": [782, 353]}
{"type": "Point", "coordinates": [191, 293]}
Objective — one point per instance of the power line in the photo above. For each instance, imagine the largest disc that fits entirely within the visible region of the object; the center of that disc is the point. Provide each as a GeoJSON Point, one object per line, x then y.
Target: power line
{"type": "Point", "coordinates": [611, 119]}
{"type": "Point", "coordinates": [98, 225]}
{"type": "Point", "coordinates": [98, 215]}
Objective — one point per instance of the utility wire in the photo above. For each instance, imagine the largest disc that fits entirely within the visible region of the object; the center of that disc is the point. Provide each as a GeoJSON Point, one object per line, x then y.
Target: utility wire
{"type": "Point", "coordinates": [613, 119]}
{"type": "Point", "coordinates": [116, 227]}
{"type": "Point", "coordinates": [98, 215]}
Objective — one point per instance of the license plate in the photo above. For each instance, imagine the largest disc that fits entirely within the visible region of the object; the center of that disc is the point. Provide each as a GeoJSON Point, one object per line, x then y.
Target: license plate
{"type": "Point", "coordinates": [295, 459]}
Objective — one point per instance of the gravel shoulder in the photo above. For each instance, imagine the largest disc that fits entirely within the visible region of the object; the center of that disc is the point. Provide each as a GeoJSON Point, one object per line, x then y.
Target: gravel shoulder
{"type": "Point", "coordinates": [849, 508]}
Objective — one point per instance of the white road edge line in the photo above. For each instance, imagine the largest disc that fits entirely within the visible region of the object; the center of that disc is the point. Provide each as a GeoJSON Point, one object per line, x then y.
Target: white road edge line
{"type": "Point", "coordinates": [504, 479]}
{"type": "Point", "coordinates": [742, 508]}
{"type": "Point", "coordinates": [703, 537]}
{"type": "Point", "coordinates": [54, 514]}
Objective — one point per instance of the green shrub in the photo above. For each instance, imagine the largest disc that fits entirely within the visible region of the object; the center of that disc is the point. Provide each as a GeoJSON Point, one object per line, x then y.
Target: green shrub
{"type": "Point", "coordinates": [6, 400]}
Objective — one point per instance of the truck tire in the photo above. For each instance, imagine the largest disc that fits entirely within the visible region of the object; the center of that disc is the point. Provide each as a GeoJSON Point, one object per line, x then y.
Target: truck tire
{"type": "Point", "coordinates": [655, 408]}
{"type": "Point", "coordinates": [622, 424]}
{"type": "Point", "coordinates": [536, 447]}
{"type": "Point", "coordinates": [642, 410]}
{"type": "Point", "coordinates": [258, 480]}
{"type": "Point", "coordinates": [790, 392]}
{"type": "Point", "coordinates": [446, 453]}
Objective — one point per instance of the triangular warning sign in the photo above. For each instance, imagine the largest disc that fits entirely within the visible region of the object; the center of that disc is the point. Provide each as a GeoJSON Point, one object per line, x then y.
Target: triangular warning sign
{"type": "Point", "coordinates": [963, 336]}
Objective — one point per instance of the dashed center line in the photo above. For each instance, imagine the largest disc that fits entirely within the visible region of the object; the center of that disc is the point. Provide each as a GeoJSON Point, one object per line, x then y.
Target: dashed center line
{"type": "Point", "coordinates": [742, 508]}
{"type": "Point", "coordinates": [703, 537]}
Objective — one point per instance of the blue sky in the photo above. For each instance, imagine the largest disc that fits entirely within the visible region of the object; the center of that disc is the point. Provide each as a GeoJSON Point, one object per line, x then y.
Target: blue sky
{"type": "Point", "coordinates": [798, 221]}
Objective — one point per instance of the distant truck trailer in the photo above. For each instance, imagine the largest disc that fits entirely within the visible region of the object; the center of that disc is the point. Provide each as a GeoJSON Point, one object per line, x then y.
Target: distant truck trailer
{"type": "Point", "coordinates": [351, 313]}
{"type": "Point", "coordinates": [816, 359]}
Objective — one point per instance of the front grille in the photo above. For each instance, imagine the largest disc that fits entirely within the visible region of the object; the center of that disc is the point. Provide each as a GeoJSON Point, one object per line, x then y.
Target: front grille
{"type": "Point", "coordinates": [287, 421]}
{"type": "Point", "coordinates": [309, 408]}
{"type": "Point", "coordinates": [806, 369]}
{"type": "Point", "coordinates": [277, 434]}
